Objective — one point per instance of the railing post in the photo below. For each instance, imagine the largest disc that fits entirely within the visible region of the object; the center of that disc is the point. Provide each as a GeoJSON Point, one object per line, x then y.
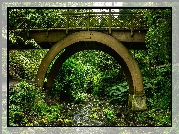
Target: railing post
{"type": "Point", "coordinates": [88, 22]}
{"type": "Point", "coordinates": [110, 21]}
{"type": "Point", "coordinates": [47, 27]}
{"type": "Point", "coordinates": [142, 20]}
{"type": "Point", "coordinates": [132, 26]}
{"type": "Point", "coordinates": [28, 35]}
{"type": "Point", "coordinates": [67, 23]}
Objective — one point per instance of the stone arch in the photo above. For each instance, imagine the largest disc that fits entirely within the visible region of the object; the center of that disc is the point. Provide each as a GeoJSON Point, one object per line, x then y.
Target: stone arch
{"type": "Point", "coordinates": [137, 100]}
{"type": "Point", "coordinates": [76, 47]}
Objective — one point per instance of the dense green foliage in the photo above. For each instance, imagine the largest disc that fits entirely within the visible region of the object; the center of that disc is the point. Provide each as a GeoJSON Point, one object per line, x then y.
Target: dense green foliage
{"type": "Point", "coordinates": [98, 74]}
{"type": "Point", "coordinates": [28, 108]}
{"type": "Point", "coordinates": [158, 38]}
{"type": "Point", "coordinates": [84, 76]}
{"type": "Point", "coordinates": [22, 65]}
{"type": "Point", "coordinates": [78, 77]}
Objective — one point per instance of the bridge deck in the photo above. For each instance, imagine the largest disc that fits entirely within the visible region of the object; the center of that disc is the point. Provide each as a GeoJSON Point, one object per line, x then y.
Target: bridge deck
{"type": "Point", "coordinates": [48, 38]}
{"type": "Point", "coordinates": [46, 29]}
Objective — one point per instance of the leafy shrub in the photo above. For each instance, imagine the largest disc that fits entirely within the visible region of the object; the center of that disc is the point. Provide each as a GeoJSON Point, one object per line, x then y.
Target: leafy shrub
{"type": "Point", "coordinates": [158, 88]}
{"type": "Point", "coordinates": [119, 93]}
{"type": "Point", "coordinates": [27, 107]}
{"type": "Point", "coordinates": [109, 113]}
{"type": "Point", "coordinates": [88, 74]}
{"type": "Point", "coordinates": [25, 64]}
{"type": "Point", "coordinates": [21, 101]}
{"type": "Point", "coordinates": [70, 78]}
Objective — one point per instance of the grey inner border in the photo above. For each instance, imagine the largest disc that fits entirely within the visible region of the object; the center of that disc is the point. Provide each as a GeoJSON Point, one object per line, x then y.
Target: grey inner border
{"type": "Point", "coordinates": [90, 130]}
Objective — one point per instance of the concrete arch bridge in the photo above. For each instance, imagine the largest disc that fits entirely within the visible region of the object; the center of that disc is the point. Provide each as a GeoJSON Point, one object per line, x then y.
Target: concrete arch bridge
{"type": "Point", "coordinates": [111, 32]}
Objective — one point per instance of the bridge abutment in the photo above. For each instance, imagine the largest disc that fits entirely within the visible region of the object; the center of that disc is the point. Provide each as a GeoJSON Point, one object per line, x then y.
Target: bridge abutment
{"type": "Point", "coordinates": [137, 102]}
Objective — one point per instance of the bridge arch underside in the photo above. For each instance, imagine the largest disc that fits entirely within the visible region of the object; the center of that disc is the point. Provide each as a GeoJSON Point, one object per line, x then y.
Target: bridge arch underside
{"type": "Point", "coordinates": [80, 46]}
{"type": "Point", "coordinates": [86, 40]}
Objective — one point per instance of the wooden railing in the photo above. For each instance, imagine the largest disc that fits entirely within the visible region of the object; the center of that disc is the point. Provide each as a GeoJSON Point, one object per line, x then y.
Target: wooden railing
{"type": "Point", "coordinates": [24, 20]}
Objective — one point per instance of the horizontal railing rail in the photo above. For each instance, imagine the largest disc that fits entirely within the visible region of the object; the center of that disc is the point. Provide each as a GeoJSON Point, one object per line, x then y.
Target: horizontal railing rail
{"type": "Point", "coordinates": [24, 20]}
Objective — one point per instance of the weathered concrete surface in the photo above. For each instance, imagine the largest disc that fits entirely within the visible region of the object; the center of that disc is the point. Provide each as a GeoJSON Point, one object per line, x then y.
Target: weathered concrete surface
{"type": "Point", "coordinates": [128, 63]}
{"type": "Point", "coordinates": [57, 35]}
{"type": "Point", "coordinates": [137, 102]}
{"type": "Point", "coordinates": [46, 39]}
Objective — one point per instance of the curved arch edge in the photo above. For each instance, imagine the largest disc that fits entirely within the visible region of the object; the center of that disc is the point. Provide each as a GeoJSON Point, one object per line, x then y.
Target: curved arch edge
{"type": "Point", "coordinates": [131, 64]}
